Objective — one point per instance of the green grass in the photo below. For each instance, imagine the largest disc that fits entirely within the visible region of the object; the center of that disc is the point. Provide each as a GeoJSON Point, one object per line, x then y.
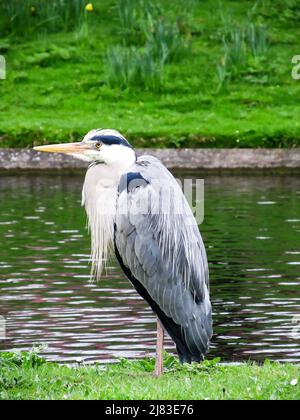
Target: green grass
{"type": "Point", "coordinates": [58, 83]}
{"type": "Point", "coordinates": [27, 376]}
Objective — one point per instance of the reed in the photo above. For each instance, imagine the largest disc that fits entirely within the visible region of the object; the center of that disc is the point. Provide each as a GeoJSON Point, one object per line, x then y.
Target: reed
{"type": "Point", "coordinates": [27, 17]}
{"type": "Point", "coordinates": [257, 39]}
{"type": "Point", "coordinates": [150, 40]}
{"type": "Point", "coordinates": [128, 67]}
{"type": "Point", "coordinates": [164, 39]}
{"type": "Point", "coordinates": [128, 13]}
{"type": "Point", "coordinates": [250, 39]}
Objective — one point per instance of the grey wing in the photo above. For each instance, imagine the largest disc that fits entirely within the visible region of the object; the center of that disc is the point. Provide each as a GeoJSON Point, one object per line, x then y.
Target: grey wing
{"type": "Point", "coordinates": [161, 250]}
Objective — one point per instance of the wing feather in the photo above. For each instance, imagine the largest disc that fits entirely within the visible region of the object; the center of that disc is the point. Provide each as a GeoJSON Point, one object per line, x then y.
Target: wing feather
{"type": "Point", "coordinates": [159, 242]}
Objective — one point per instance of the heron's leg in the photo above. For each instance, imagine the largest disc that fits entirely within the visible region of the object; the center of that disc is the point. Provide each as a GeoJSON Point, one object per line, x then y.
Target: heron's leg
{"type": "Point", "coordinates": [159, 349]}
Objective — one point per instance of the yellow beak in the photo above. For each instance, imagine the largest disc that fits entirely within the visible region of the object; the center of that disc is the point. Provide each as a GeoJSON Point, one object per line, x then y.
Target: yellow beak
{"type": "Point", "coordinates": [79, 147]}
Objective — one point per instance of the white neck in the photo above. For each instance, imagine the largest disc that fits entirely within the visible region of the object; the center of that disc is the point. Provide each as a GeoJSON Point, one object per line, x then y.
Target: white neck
{"type": "Point", "coordinates": [118, 157]}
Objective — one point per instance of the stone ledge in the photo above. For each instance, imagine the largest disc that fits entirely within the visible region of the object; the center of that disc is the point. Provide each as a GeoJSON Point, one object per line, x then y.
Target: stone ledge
{"type": "Point", "coordinates": [210, 159]}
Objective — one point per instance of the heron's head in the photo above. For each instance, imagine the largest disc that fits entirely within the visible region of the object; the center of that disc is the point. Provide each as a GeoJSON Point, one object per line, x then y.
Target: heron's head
{"type": "Point", "coordinates": [103, 146]}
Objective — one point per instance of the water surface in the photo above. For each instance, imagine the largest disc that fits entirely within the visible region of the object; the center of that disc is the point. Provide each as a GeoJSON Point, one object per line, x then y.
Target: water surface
{"type": "Point", "coordinates": [252, 234]}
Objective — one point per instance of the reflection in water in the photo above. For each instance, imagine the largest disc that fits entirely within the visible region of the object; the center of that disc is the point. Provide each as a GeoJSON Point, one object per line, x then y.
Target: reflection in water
{"type": "Point", "coordinates": [251, 230]}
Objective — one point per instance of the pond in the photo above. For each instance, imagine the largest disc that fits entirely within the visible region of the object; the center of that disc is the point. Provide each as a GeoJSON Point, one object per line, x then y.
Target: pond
{"type": "Point", "coordinates": [252, 233]}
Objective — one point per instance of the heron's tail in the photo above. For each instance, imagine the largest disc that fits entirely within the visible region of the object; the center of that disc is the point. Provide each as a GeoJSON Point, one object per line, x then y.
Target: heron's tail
{"type": "Point", "coordinates": [192, 341]}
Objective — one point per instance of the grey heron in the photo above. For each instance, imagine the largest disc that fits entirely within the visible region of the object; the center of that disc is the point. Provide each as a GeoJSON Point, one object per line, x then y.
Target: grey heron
{"type": "Point", "coordinates": [136, 208]}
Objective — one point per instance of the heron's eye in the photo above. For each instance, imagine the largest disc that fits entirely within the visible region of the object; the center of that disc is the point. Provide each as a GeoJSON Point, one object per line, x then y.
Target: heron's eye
{"type": "Point", "coordinates": [98, 146]}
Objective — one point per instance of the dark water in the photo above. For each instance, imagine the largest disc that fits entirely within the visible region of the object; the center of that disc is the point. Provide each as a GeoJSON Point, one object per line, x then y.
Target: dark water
{"type": "Point", "coordinates": [252, 233]}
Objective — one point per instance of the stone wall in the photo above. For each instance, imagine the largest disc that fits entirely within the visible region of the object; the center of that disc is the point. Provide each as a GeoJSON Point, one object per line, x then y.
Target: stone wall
{"type": "Point", "coordinates": [209, 159]}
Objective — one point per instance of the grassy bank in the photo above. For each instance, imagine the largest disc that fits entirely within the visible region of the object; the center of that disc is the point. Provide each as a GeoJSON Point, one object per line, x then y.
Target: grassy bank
{"type": "Point", "coordinates": [30, 377]}
{"type": "Point", "coordinates": [211, 75]}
